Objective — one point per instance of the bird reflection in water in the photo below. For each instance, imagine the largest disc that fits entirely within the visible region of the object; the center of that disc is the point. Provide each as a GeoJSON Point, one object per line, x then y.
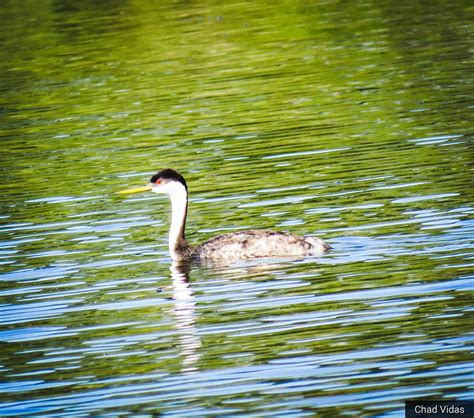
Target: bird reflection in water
{"type": "Point", "coordinates": [184, 311]}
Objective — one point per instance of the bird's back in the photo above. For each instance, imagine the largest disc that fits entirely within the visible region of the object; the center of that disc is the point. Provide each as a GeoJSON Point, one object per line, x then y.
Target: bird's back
{"type": "Point", "coordinates": [260, 243]}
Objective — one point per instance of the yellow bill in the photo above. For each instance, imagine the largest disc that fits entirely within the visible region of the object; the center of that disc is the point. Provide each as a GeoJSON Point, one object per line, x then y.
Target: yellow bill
{"type": "Point", "coordinates": [135, 190]}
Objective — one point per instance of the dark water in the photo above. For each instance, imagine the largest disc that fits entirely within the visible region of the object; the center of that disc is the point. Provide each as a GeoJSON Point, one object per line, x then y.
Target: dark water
{"type": "Point", "coordinates": [351, 121]}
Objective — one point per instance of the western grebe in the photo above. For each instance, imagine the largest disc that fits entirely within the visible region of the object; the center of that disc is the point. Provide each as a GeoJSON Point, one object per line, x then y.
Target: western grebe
{"type": "Point", "coordinates": [230, 247]}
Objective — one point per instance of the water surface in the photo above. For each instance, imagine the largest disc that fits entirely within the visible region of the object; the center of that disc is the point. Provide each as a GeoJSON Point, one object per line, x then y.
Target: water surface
{"type": "Point", "coordinates": [347, 121]}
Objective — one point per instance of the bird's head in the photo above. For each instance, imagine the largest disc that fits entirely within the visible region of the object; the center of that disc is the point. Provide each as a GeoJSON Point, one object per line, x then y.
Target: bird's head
{"type": "Point", "coordinates": [166, 181]}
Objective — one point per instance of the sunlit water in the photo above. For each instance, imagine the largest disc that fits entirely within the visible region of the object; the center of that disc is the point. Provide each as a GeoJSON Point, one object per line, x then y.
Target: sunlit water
{"type": "Point", "coordinates": [347, 121]}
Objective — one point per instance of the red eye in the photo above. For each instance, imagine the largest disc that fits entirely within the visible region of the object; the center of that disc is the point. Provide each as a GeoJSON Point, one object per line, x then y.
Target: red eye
{"type": "Point", "coordinates": [158, 181]}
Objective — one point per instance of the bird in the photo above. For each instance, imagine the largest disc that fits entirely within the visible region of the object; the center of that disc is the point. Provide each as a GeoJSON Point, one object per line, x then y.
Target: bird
{"type": "Point", "coordinates": [230, 247]}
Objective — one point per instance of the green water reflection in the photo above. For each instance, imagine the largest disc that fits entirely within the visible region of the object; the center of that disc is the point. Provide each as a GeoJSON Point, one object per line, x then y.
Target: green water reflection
{"type": "Point", "coordinates": [347, 120]}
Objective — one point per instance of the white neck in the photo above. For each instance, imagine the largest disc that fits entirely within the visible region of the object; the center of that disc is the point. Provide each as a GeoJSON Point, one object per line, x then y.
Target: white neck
{"type": "Point", "coordinates": [179, 207]}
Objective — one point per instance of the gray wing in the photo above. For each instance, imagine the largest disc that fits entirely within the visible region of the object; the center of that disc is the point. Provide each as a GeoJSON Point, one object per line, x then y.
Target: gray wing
{"type": "Point", "coordinates": [260, 243]}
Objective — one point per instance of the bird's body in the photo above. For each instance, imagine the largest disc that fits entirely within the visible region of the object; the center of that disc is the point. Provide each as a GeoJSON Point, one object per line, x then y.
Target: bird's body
{"type": "Point", "coordinates": [257, 243]}
{"type": "Point", "coordinates": [229, 247]}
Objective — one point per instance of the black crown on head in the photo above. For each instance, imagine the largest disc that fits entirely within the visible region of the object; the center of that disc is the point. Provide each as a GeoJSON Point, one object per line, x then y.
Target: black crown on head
{"type": "Point", "coordinates": [169, 174]}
